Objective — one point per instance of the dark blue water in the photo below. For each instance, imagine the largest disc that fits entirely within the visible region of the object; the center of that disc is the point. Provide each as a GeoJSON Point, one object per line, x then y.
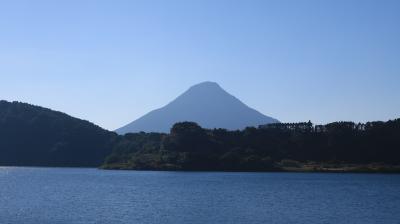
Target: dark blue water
{"type": "Point", "coordinates": [67, 195]}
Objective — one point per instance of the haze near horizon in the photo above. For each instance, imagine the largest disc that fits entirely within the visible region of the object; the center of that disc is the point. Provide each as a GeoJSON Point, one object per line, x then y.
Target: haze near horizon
{"type": "Point", "coordinates": [111, 62]}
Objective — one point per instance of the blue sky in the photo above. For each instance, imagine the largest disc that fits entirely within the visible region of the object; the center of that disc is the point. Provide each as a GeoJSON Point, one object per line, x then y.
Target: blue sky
{"type": "Point", "coordinates": [112, 61]}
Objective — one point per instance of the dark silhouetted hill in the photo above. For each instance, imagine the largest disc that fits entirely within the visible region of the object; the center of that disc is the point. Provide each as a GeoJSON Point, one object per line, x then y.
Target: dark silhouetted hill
{"type": "Point", "coordinates": [36, 136]}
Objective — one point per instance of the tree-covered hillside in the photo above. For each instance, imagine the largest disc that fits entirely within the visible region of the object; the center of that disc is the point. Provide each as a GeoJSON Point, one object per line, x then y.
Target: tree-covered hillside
{"type": "Point", "coordinates": [32, 135]}
{"type": "Point", "coordinates": [269, 147]}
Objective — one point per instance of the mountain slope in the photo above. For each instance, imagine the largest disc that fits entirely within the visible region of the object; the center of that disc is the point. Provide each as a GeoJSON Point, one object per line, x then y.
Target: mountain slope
{"type": "Point", "coordinates": [205, 103]}
{"type": "Point", "coordinates": [33, 135]}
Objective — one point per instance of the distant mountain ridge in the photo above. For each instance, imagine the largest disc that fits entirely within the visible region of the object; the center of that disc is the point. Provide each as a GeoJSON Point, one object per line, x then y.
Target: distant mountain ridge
{"type": "Point", "coordinates": [206, 104]}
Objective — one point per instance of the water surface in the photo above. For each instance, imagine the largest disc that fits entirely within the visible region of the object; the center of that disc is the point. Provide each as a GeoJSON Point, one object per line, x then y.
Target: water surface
{"type": "Point", "coordinates": [75, 195]}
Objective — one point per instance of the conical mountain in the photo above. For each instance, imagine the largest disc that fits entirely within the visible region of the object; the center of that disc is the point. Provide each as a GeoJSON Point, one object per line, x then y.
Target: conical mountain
{"type": "Point", "coordinates": [206, 104]}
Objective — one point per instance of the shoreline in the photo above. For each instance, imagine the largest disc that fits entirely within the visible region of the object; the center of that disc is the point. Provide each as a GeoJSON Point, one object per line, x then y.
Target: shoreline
{"type": "Point", "coordinates": [335, 168]}
{"type": "Point", "coordinates": [304, 168]}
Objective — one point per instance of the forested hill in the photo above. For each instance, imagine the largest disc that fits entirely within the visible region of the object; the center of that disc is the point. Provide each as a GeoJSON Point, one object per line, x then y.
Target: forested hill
{"type": "Point", "coordinates": [33, 135]}
{"type": "Point", "coordinates": [36, 136]}
{"type": "Point", "coordinates": [271, 147]}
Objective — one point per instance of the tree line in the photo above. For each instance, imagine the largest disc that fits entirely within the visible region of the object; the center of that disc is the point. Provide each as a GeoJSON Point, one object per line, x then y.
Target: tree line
{"type": "Point", "coordinates": [267, 147]}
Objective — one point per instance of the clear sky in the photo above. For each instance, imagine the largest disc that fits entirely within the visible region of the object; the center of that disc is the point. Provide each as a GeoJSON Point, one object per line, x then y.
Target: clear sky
{"type": "Point", "coordinates": [112, 61]}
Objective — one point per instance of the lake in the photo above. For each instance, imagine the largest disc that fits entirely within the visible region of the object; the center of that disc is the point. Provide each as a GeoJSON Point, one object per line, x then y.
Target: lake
{"type": "Point", "coordinates": [80, 195]}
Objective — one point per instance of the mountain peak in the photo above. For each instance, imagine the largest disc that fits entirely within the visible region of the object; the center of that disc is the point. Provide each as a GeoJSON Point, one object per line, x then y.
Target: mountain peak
{"type": "Point", "coordinates": [206, 87]}
{"type": "Point", "coordinates": [207, 104]}
{"type": "Point", "coordinates": [206, 84]}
